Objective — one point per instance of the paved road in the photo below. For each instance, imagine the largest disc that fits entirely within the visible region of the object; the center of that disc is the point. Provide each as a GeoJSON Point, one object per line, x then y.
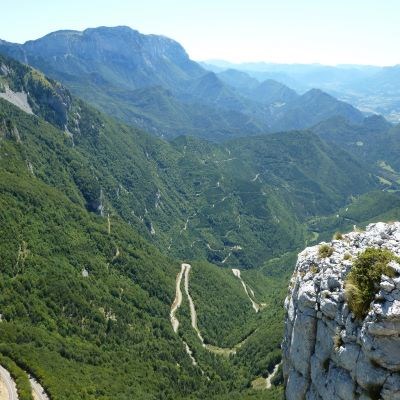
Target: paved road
{"type": "Point", "coordinates": [178, 300]}
{"type": "Point", "coordinates": [256, 306]}
{"type": "Point", "coordinates": [37, 389]}
{"type": "Point", "coordinates": [193, 314]}
{"type": "Point", "coordinates": [268, 380]}
{"type": "Point", "coordinates": [184, 273]}
{"type": "Point", "coordinates": [10, 384]}
{"type": "Point", "coordinates": [255, 178]}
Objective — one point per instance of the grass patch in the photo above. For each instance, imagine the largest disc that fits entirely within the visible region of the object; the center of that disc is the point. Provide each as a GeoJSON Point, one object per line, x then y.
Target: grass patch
{"type": "Point", "coordinates": [337, 341]}
{"type": "Point", "coordinates": [314, 269]}
{"type": "Point", "coordinates": [338, 236]}
{"type": "Point", "coordinates": [325, 250]}
{"type": "Point", "coordinates": [363, 280]}
{"type": "Point", "coordinates": [347, 256]}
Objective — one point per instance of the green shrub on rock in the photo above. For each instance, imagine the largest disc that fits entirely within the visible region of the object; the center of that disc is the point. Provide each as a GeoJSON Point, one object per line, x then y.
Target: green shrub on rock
{"type": "Point", "coordinates": [363, 280]}
{"type": "Point", "coordinates": [325, 251]}
{"type": "Point", "coordinates": [338, 236]}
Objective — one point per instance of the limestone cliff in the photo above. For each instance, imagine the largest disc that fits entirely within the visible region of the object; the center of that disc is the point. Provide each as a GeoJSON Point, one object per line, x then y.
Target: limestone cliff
{"type": "Point", "coordinates": [327, 352]}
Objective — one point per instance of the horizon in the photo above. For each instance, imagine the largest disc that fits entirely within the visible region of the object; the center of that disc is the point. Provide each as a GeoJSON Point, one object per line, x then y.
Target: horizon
{"type": "Point", "coordinates": [344, 33]}
{"type": "Point", "coordinates": [266, 62]}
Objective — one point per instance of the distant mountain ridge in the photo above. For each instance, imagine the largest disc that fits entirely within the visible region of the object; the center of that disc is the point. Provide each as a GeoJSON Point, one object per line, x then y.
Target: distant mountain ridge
{"type": "Point", "coordinates": [113, 68]}
{"type": "Point", "coordinates": [315, 106]}
{"type": "Point", "coordinates": [372, 89]}
{"type": "Point", "coordinates": [125, 56]}
{"type": "Point", "coordinates": [375, 141]}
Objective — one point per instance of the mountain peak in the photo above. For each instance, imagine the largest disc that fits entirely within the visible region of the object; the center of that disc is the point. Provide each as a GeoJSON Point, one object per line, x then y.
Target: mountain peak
{"type": "Point", "coordinates": [211, 78]}
{"type": "Point", "coordinates": [376, 122]}
{"type": "Point", "coordinates": [316, 93]}
{"type": "Point", "coordinates": [117, 54]}
{"type": "Point", "coordinates": [117, 28]}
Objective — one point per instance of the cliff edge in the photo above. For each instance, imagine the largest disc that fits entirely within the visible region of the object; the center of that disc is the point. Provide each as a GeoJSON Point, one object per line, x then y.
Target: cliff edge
{"type": "Point", "coordinates": [328, 352]}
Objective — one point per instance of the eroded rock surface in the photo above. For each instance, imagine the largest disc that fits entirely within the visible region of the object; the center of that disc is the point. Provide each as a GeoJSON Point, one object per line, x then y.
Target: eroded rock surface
{"type": "Point", "coordinates": [327, 353]}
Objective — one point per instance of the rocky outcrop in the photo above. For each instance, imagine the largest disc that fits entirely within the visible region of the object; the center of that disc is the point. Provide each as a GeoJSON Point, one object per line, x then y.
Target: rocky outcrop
{"type": "Point", "coordinates": [327, 352]}
{"type": "Point", "coordinates": [34, 93]}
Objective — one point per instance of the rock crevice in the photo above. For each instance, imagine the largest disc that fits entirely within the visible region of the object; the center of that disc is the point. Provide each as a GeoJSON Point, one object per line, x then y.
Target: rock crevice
{"type": "Point", "coordinates": [327, 352]}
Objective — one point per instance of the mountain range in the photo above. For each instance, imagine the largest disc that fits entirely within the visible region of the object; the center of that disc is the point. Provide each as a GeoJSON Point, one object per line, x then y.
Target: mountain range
{"type": "Point", "coordinates": [372, 89]}
{"type": "Point", "coordinates": [149, 81]}
{"type": "Point", "coordinates": [100, 218]}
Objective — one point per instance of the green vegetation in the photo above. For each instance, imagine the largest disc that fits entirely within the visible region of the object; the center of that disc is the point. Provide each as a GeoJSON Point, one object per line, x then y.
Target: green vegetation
{"type": "Point", "coordinates": [325, 250]}
{"type": "Point", "coordinates": [47, 98]}
{"type": "Point", "coordinates": [360, 210]}
{"type": "Point", "coordinates": [209, 189]}
{"type": "Point", "coordinates": [106, 335]}
{"type": "Point", "coordinates": [216, 292]}
{"type": "Point", "coordinates": [19, 376]}
{"type": "Point", "coordinates": [261, 351]}
{"type": "Point", "coordinates": [362, 282]}
{"type": "Point", "coordinates": [337, 341]}
{"type": "Point", "coordinates": [96, 218]}
{"type": "Point", "coordinates": [347, 256]}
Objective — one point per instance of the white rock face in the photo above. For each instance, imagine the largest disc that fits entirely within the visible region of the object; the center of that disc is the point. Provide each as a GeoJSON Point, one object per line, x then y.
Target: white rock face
{"type": "Point", "coordinates": [327, 353]}
{"type": "Point", "coordinates": [19, 99]}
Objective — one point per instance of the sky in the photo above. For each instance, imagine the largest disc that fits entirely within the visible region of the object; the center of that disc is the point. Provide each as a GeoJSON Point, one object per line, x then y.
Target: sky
{"type": "Point", "coordinates": [281, 31]}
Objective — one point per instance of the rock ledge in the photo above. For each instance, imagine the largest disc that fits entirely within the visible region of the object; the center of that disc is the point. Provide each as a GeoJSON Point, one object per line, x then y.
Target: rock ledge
{"type": "Point", "coordinates": [327, 353]}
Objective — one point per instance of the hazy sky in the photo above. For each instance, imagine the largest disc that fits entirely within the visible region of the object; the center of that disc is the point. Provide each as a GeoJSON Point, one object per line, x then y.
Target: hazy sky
{"type": "Point", "coordinates": [304, 31]}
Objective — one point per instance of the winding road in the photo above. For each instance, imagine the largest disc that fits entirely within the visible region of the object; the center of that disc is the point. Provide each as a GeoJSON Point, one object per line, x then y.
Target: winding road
{"type": "Point", "coordinates": [268, 380]}
{"type": "Point", "coordinates": [175, 306]}
{"type": "Point", "coordinates": [184, 272]}
{"type": "Point", "coordinates": [246, 288]}
{"type": "Point", "coordinates": [262, 383]}
{"type": "Point", "coordinates": [8, 388]}
{"type": "Point", "coordinates": [178, 300]}
{"type": "Point", "coordinates": [8, 385]}
{"type": "Point", "coordinates": [37, 390]}
{"type": "Point", "coordinates": [255, 178]}
{"type": "Point", "coordinates": [193, 314]}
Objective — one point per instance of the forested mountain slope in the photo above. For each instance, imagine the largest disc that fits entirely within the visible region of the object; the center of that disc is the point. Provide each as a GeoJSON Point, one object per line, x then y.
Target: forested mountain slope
{"type": "Point", "coordinates": [374, 141]}
{"type": "Point", "coordinates": [197, 199]}
{"type": "Point", "coordinates": [85, 300]}
{"type": "Point", "coordinates": [96, 218]}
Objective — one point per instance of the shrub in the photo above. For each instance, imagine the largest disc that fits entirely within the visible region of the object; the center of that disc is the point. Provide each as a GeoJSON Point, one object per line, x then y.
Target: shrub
{"type": "Point", "coordinates": [314, 269]}
{"type": "Point", "coordinates": [337, 341]}
{"type": "Point", "coordinates": [325, 251]}
{"type": "Point", "coordinates": [362, 282]}
{"type": "Point", "coordinates": [347, 256]}
{"type": "Point", "coordinates": [338, 236]}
